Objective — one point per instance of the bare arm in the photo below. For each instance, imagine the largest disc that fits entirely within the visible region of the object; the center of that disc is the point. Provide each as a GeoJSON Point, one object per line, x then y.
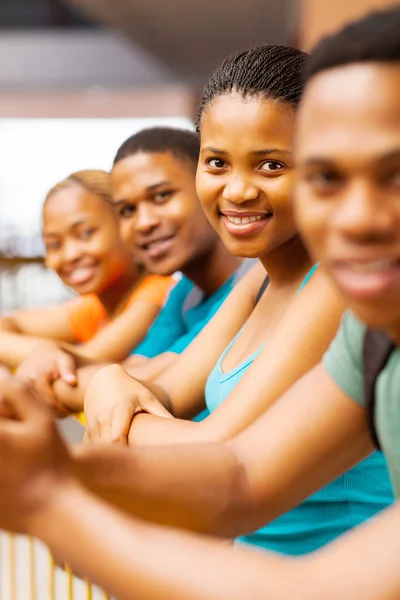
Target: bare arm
{"type": "Point", "coordinates": [48, 322]}
{"type": "Point", "coordinates": [113, 398]}
{"type": "Point", "coordinates": [294, 347]}
{"type": "Point", "coordinates": [15, 347]}
{"type": "Point", "coordinates": [143, 562]}
{"type": "Point", "coordinates": [308, 438]}
{"type": "Point", "coordinates": [134, 560]}
{"type": "Point", "coordinates": [114, 342]}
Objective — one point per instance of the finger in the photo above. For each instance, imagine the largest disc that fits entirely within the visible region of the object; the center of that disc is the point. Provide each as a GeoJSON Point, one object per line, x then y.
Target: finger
{"type": "Point", "coordinates": [87, 438]}
{"type": "Point", "coordinates": [20, 400]}
{"type": "Point", "coordinates": [67, 368]}
{"type": "Point", "coordinates": [120, 424]}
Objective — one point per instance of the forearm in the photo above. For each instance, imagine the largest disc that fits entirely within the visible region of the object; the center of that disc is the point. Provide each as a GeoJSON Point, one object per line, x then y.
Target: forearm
{"type": "Point", "coordinates": [136, 561]}
{"type": "Point", "coordinates": [15, 347]}
{"type": "Point", "coordinates": [150, 369]}
{"type": "Point", "coordinates": [9, 324]}
{"type": "Point", "coordinates": [150, 430]}
{"type": "Point", "coordinates": [200, 487]}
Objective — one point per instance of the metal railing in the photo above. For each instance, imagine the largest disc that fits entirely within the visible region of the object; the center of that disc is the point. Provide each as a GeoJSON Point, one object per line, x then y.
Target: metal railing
{"type": "Point", "coordinates": [28, 572]}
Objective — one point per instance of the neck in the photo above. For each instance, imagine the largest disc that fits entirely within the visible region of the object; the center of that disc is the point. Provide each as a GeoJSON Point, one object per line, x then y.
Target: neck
{"type": "Point", "coordinates": [117, 294]}
{"type": "Point", "coordinates": [210, 271]}
{"type": "Point", "coordinates": [395, 335]}
{"type": "Point", "coordinates": [287, 264]}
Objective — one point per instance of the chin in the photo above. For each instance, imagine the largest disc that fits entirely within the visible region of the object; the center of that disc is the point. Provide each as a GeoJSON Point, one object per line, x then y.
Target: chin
{"type": "Point", "coordinates": [376, 316]}
{"type": "Point", "coordinates": [243, 250]}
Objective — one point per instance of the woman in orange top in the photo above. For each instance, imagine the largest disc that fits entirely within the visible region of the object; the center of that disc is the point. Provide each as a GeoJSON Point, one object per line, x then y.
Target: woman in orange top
{"type": "Point", "coordinates": [84, 247]}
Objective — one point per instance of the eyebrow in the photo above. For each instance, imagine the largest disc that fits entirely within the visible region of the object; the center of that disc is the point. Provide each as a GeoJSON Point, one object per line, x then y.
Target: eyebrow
{"type": "Point", "coordinates": [262, 152]}
{"type": "Point", "coordinates": [72, 226]}
{"type": "Point", "coordinates": [327, 162]}
{"type": "Point", "coordinates": [149, 188]}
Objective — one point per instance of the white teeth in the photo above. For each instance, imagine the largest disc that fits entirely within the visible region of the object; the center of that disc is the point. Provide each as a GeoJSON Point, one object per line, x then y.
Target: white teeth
{"type": "Point", "coordinates": [243, 220]}
{"type": "Point", "coordinates": [373, 266]}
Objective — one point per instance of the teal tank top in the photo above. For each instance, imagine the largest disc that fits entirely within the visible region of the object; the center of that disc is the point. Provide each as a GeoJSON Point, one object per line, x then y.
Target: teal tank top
{"type": "Point", "coordinates": [345, 503]}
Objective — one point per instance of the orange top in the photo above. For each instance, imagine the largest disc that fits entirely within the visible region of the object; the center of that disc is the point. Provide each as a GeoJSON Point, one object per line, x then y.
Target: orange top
{"type": "Point", "coordinates": [87, 314]}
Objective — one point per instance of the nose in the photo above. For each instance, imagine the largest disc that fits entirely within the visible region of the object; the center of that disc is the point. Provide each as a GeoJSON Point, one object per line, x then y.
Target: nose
{"type": "Point", "coordinates": [365, 214]}
{"type": "Point", "coordinates": [71, 251]}
{"type": "Point", "coordinates": [146, 218]}
{"type": "Point", "coordinates": [239, 189]}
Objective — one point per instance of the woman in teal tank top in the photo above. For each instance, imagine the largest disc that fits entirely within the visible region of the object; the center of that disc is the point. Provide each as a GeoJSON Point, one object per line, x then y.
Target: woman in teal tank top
{"type": "Point", "coordinates": [245, 182]}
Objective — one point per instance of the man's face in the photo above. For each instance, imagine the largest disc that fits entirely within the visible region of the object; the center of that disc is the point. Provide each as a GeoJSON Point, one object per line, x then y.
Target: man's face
{"type": "Point", "coordinates": [348, 185]}
{"type": "Point", "coordinates": [160, 213]}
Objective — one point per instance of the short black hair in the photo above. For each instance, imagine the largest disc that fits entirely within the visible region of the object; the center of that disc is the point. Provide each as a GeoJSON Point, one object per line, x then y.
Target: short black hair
{"type": "Point", "coordinates": [182, 143]}
{"type": "Point", "coordinates": [374, 38]}
{"type": "Point", "coordinates": [275, 72]}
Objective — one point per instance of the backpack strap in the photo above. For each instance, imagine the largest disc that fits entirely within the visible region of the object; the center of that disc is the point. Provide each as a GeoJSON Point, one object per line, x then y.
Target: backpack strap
{"type": "Point", "coordinates": [376, 352]}
{"type": "Point", "coordinates": [262, 289]}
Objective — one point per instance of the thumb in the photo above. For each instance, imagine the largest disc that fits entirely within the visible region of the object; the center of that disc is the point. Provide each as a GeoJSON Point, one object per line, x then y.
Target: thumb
{"type": "Point", "coordinates": [154, 407]}
{"type": "Point", "coordinates": [67, 368]}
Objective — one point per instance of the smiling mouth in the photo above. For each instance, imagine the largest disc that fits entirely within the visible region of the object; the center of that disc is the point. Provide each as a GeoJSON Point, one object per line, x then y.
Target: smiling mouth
{"type": "Point", "coordinates": [373, 266]}
{"type": "Point", "coordinates": [244, 220]}
{"type": "Point", "coordinates": [79, 276]}
{"type": "Point", "coordinates": [368, 278]}
{"type": "Point", "coordinates": [157, 248]}
{"type": "Point", "coordinates": [246, 223]}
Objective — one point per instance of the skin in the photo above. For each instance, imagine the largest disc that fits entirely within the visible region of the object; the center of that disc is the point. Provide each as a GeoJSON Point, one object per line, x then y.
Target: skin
{"type": "Point", "coordinates": [307, 441]}
{"type": "Point", "coordinates": [244, 170]}
{"type": "Point", "coordinates": [156, 199]}
{"type": "Point", "coordinates": [348, 196]}
{"type": "Point", "coordinates": [80, 231]}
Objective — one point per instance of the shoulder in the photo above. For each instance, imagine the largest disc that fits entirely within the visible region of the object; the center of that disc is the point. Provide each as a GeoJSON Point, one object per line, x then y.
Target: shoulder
{"type": "Point", "coordinates": [344, 358]}
{"type": "Point", "coordinates": [154, 289]}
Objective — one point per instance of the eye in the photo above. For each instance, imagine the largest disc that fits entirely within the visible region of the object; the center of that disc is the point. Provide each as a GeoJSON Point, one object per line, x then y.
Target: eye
{"type": "Point", "coordinates": [215, 163]}
{"type": "Point", "coordinates": [271, 166]}
{"type": "Point", "coordinates": [323, 179]}
{"type": "Point", "coordinates": [86, 234]}
{"type": "Point", "coordinates": [162, 196]}
{"type": "Point", "coordinates": [394, 179]}
{"type": "Point", "coordinates": [52, 246]}
{"type": "Point", "coordinates": [127, 211]}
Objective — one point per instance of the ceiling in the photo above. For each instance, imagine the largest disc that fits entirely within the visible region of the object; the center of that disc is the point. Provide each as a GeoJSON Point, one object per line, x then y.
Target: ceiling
{"type": "Point", "coordinates": [190, 37]}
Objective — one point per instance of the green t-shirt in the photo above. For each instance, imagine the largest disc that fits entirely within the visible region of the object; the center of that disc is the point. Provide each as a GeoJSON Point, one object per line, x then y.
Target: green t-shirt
{"type": "Point", "coordinates": [344, 363]}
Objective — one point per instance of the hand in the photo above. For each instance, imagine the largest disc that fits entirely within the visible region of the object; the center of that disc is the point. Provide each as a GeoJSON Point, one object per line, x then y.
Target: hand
{"type": "Point", "coordinates": [44, 365]}
{"type": "Point", "coordinates": [34, 462]}
{"type": "Point", "coordinates": [112, 400]}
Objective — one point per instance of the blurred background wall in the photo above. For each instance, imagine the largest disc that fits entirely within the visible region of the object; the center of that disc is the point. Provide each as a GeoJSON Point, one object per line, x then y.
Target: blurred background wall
{"type": "Point", "coordinates": [79, 76]}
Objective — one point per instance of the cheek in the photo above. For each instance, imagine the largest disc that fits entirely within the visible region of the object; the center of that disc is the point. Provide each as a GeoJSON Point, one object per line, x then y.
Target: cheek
{"type": "Point", "coordinates": [52, 262]}
{"type": "Point", "coordinates": [312, 222]}
{"type": "Point", "coordinates": [207, 190]}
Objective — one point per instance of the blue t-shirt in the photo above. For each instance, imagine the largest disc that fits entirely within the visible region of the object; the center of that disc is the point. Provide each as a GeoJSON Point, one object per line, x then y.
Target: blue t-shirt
{"type": "Point", "coordinates": [186, 312]}
{"type": "Point", "coordinates": [345, 503]}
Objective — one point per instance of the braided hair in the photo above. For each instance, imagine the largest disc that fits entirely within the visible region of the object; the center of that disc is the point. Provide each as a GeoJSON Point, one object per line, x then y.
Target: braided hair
{"type": "Point", "coordinates": [182, 143]}
{"type": "Point", "coordinates": [374, 38]}
{"type": "Point", "coordinates": [270, 72]}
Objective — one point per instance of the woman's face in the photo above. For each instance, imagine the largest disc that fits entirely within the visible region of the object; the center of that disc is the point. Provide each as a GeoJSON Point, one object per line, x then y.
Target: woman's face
{"type": "Point", "coordinates": [82, 240]}
{"type": "Point", "coordinates": [245, 173]}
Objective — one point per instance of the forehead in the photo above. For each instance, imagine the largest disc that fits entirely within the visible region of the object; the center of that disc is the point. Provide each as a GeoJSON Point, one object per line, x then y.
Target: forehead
{"type": "Point", "coordinates": [351, 110]}
{"type": "Point", "coordinates": [137, 172]}
{"type": "Point", "coordinates": [255, 121]}
{"type": "Point", "coordinates": [71, 203]}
